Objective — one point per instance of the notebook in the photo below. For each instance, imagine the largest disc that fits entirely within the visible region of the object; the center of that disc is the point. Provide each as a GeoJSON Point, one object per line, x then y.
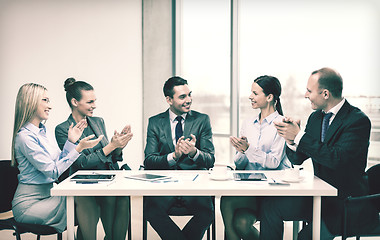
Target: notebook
{"type": "Point", "coordinates": [249, 176]}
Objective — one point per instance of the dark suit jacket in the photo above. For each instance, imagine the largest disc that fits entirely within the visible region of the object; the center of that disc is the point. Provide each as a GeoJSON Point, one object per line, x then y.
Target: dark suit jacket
{"type": "Point", "coordinates": [340, 160]}
{"type": "Point", "coordinates": [92, 158]}
{"type": "Point", "coordinates": [159, 142]}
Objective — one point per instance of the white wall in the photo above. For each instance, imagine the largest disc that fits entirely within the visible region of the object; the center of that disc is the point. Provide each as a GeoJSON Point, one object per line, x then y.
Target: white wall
{"type": "Point", "coordinates": [46, 41]}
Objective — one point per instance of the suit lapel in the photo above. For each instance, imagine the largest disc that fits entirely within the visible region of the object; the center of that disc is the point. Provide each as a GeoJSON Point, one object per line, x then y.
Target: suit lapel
{"type": "Point", "coordinates": [97, 131]}
{"type": "Point", "coordinates": [165, 125]}
{"type": "Point", "coordinates": [337, 121]}
{"type": "Point", "coordinates": [189, 121]}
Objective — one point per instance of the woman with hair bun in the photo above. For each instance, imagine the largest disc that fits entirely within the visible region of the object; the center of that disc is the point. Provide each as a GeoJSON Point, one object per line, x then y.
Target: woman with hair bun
{"type": "Point", "coordinates": [113, 211]}
{"type": "Point", "coordinates": [35, 153]}
{"type": "Point", "coordinates": [259, 147]}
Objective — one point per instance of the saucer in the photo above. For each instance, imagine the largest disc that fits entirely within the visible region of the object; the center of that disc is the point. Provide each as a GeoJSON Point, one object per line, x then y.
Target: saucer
{"type": "Point", "coordinates": [293, 180]}
{"type": "Point", "coordinates": [220, 178]}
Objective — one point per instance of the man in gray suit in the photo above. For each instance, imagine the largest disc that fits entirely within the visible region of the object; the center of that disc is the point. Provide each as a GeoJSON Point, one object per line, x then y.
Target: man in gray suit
{"type": "Point", "coordinates": [179, 139]}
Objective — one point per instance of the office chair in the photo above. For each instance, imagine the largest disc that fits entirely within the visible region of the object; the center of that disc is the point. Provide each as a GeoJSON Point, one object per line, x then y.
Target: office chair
{"type": "Point", "coordinates": [9, 182]}
{"type": "Point", "coordinates": [372, 198]}
{"type": "Point", "coordinates": [181, 211]}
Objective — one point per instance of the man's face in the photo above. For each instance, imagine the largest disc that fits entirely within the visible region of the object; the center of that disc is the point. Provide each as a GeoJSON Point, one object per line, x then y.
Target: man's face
{"type": "Point", "coordinates": [181, 101]}
{"type": "Point", "coordinates": [314, 93]}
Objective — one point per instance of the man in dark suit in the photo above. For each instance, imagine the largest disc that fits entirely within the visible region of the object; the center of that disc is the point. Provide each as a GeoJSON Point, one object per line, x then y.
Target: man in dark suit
{"type": "Point", "coordinates": [179, 139]}
{"type": "Point", "coordinates": [336, 138]}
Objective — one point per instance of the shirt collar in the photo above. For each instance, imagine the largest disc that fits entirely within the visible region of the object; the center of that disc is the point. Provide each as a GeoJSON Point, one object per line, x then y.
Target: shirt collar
{"type": "Point", "coordinates": [172, 116]}
{"type": "Point", "coordinates": [336, 108]}
{"type": "Point", "coordinates": [34, 129]}
{"type": "Point", "coordinates": [269, 119]}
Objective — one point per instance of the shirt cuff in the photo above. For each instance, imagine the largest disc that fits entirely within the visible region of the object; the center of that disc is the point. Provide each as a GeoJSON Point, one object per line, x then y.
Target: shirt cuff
{"type": "Point", "coordinates": [298, 137]}
{"type": "Point", "coordinates": [171, 160]}
{"type": "Point", "coordinates": [69, 147]}
{"type": "Point", "coordinates": [195, 156]}
{"type": "Point", "coordinates": [292, 147]}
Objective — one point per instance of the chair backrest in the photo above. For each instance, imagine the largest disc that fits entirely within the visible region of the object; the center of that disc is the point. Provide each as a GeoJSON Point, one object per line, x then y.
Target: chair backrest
{"type": "Point", "coordinates": [8, 184]}
{"type": "Point", "coordinates": [374, 181]}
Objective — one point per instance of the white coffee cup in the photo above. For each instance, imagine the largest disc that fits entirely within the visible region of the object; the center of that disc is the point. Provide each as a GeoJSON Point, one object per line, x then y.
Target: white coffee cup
{"type": "Point", "coordinates": [219, 171]}
{"type": "Point", "coordinates": [293, 173]}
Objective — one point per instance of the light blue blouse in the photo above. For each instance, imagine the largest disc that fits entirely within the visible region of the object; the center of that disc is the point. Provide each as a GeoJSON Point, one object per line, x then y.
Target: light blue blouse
{"type": "Point", "coordinates": [267, 148]}
{"type": "Point", "coordinates": [39, 159]}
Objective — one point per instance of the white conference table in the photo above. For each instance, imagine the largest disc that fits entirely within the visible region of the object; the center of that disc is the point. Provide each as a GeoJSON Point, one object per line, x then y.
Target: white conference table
{"type": "Point", "coordinates": [202, 186]}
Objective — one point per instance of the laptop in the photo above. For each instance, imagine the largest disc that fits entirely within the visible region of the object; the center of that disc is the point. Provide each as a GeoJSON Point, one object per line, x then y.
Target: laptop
{"type": "Point", "coordinates": [249, 177]}
{"type": "Point", "coordinates": [92, 178]}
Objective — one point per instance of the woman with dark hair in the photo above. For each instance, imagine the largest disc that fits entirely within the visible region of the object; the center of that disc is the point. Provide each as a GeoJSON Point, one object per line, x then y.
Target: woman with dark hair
{"type": "Point", "coordinates": [35, 153]}
{"type": "Point", "coordinates": [113, 211]}
{"type": "Point", "coordinates": [259, 147]}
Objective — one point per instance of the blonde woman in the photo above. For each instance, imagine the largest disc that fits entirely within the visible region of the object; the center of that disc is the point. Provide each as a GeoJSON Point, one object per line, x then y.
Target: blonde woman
{"type": "Point", "coordinates": [39, 160]}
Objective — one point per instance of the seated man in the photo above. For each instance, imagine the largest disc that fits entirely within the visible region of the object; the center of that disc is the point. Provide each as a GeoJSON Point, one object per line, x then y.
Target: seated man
{"type": "Point", "coordinates": [179, 139]}
{"type": "Point", "coordinates": [336, 139]}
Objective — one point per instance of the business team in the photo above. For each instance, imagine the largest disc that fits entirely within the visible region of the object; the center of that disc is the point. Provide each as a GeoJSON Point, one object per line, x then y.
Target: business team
{"type": "Point", "coordinates": [336, 138]}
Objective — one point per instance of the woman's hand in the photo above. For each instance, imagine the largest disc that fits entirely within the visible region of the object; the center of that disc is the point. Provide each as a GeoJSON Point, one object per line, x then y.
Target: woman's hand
{"type": "Point", "coordinates": [75, 132]}
{"type": "Point", "coordinates": [120, 140]}
{"type": "Point", "coordinates": [240, 144]}
{"type": "Point", "coordinates": [88, 143]}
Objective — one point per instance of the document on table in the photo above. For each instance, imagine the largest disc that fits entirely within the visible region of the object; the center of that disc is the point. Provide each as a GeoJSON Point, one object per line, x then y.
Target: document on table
{"type": "Point", "coordinates": [186, 177]}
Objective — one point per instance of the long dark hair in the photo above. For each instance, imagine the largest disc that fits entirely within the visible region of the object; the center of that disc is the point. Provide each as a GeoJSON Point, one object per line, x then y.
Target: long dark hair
{"type": "Point", "coordinates": [271, 85]}
{"type": "Point", "coordinates": [74, 89]}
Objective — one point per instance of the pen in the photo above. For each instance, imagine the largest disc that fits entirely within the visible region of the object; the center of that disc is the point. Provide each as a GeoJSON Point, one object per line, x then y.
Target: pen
{"type": "Point", "coordinates": [195, 177]}
{"type": "Point", "coordinates": [112, 182]}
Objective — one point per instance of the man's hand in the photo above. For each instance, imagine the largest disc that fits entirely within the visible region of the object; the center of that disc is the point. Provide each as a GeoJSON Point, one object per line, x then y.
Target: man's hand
{"type": "Point", "coordinates": [240, 144]}
{"type": "Point", "coordinates": [177, 151]}
{"type": "Point", "coordinates": [288, 129]}
{"type": "Point", "coordinates": [187, 146]}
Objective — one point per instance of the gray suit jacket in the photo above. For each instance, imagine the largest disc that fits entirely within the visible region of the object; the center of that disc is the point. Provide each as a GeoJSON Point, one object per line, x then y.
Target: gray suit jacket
{"type": "Point", "coordinates": [92, 158]}
{"type": "Point", "coordinates": [159, 142]}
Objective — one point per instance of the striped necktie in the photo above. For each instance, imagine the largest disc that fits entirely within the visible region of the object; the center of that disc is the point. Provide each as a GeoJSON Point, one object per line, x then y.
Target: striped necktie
{"type": "Point", "coordinates": [325, 124]}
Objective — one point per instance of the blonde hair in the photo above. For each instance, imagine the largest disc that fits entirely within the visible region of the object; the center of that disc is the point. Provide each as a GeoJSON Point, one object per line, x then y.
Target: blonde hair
{"type": "Point", "coordinates": [28, 99]}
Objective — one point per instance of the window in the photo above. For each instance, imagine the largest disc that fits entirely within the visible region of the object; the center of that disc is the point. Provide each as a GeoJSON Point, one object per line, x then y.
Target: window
{"type": "Point", "coordinates": [206, 65]}
{"type": "Point", "coordinates": [287, 40]}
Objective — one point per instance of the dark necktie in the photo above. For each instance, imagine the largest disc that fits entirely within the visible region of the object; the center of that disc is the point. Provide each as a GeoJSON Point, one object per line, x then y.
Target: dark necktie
{"type": "Point", "coordinates": [325, 124]}
{"type": "Point", "coordinates": [178, 128]}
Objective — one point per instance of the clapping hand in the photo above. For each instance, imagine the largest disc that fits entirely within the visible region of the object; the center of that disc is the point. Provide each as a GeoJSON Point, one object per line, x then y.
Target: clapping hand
{"type": "Point", "coordinates": [76, 131]}
{"type": "Point", "coordinates": [120, 140]}
{"type": "Point", "coordinates": [88, 143]}
{"type": "Point", "coordinates": [177, 151]}
{"type": "Point", "coordinates": [187, 146]}
{"type": "Point", "coordinates": [288, 129]}
{"type": "Point", "coordinates": [240, 144]}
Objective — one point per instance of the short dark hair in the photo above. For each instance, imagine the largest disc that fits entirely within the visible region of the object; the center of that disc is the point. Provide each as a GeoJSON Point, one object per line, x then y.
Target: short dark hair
{"type": "Point", "coordinates": [331, 80]}
{"type": "Point", "coordinates": [171, 83]}
{"type": "Point", "coordinates": [74, 89]}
